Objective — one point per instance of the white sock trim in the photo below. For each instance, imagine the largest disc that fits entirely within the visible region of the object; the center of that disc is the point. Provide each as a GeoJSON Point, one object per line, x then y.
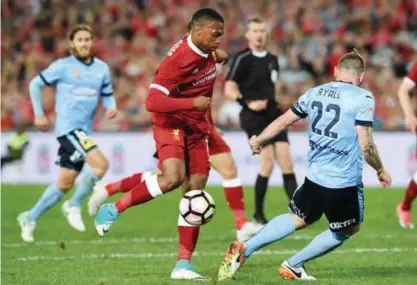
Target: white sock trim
{"type": "Point", "coordinates": [153, 186]}
{"type": "Point", "coordinates": [183, 223]}
{"type": "Point", "coordinates": [145, 175]}
{"type": "Point", "coordinates": [232, 182]}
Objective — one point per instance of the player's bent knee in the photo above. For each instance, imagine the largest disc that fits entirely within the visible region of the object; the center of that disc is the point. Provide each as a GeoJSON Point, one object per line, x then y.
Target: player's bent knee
{"type": "Point", "coordinates": [198, 181]}
{"type": "Point", "coordinates": [170, 181]}
{"type": "Point", "coordinates": [228, 171]}
{"type": "Point", "coordinates": [299, 223]}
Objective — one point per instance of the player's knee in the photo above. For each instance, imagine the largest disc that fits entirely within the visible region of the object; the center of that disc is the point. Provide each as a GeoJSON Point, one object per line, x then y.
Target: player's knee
{"type": "Point", "coordinates": [171, 180]}
{"type": "Point", "coordinates": [101, 169]}
{"type": "Point", "coordinates": [228, 171]}
{"type": "Point", "coordinates": [65, 184]}
{"type": "Point", "coordinates": [198, 181]}
{"type": "Point", "coordinates": [299, 223]}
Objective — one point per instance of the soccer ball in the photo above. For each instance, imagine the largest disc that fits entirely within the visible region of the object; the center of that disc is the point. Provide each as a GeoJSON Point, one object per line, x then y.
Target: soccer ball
{"type": "Point", "coordinates": [197, 207]}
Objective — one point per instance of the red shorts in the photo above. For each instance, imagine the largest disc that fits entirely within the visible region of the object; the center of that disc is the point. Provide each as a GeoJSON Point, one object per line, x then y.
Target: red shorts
{"type": "Point", "coordinates": [174, 143]}
{"type": "Point", "coordinates": [216, 143]}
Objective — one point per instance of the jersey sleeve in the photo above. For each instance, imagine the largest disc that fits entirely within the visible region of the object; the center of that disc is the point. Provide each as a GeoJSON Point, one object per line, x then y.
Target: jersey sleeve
{"type": "Point", "coordinates": [52, 73]}
{"type": "Point", "coordinates": [365, 112]}
{"type": "Point", "coordinates": [411, 77]}
{"type": "Point", "coordinates": [301, 107]}
{"type": "Point", "coordinates": [107, 87]}
{"type": "Point", "coordinates": [169, 76]}
{"type": "Point", "coordinates": [237, 67]}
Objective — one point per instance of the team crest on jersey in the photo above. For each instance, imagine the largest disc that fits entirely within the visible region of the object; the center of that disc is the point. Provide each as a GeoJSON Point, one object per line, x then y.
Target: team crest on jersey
{"type": "Point", "coordinates": [76, 73]}
{"type": "Point", "coordinates": [176, 134]}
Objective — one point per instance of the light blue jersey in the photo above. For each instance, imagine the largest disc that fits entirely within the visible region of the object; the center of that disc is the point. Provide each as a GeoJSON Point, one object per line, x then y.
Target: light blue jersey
{"type": "Point", "coordinates": [334, 110]}
{"type": "Point", "coordinates": [79, 86]}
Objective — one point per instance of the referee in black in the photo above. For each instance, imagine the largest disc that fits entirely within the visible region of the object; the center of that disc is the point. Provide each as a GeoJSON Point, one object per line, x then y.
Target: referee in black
{"type": "Point", "coordinates": [251, 81]}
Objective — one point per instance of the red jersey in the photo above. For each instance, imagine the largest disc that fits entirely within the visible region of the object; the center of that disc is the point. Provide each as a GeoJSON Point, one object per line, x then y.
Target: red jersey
{"type": "Point", "coordinates": [186, 72]}
{"type": "Point", "coordinates": [411, 77]}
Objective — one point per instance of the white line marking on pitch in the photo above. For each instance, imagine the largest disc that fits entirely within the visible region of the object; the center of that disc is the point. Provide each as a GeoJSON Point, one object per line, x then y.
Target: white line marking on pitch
{"type": "Point", "coordinates": [147, 255]}
{"type": "Point", "coordinates": [107, 241]}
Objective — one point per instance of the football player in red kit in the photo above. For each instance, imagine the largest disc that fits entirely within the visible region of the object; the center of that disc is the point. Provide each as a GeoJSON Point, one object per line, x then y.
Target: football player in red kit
{"type": "Point", "coordinates": [408, 83]}
{"type": "Point", "coordinates": [221, 161]}
{"type": "Point", "coordinates": [178, 98]}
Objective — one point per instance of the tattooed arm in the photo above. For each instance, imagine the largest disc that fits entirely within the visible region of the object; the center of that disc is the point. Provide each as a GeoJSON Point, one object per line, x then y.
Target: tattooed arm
{"type": "Point", "coordinates": [371, 155]}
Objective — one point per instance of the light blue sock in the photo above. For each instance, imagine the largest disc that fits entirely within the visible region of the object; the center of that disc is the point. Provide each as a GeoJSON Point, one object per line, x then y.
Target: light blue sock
{"type": "Point", "coordinates": [276, 229]}
{"type": "Point", "coordinates": [322, 244]}
{"type": "Point", "coordinates": [49, 198]}
{"type": "Point", "coordinates": [84, 188]}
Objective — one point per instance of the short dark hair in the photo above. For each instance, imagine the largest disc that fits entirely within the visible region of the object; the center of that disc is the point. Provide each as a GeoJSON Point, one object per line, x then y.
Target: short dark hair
{"type": "Point", "coordinates": [352, 61]}
{"type": "Point", "coordinates": [80, 27]}
{"type": "Point", "coordinates": [205, 14]}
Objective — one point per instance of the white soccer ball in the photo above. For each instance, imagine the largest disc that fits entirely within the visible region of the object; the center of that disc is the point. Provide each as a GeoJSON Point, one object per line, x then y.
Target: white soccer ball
{"type": "Point", "coordinates": [197, 207]}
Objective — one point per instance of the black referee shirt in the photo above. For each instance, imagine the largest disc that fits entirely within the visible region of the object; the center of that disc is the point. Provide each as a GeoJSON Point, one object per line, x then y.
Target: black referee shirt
{"type": "Point", "coordinates": [255, 73]}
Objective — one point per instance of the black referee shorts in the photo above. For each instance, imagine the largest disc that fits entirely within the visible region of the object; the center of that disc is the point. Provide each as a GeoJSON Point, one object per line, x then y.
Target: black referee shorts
{"type": "Point", "coordinates": [253, 123]}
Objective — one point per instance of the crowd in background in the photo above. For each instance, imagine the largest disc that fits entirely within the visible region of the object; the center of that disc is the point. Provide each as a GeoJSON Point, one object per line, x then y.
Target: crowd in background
{"type": "Point", "coordinates": [133, 36]}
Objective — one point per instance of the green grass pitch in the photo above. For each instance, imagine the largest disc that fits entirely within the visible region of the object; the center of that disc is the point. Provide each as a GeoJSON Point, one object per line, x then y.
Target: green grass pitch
{"type": "Point", "coordinates": [141, 247]}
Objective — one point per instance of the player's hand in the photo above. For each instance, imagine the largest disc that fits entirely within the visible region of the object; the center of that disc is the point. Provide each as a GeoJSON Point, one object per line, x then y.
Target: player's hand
{"type": "Point", "coordinates": [111, 114]}
{"type": "Point", "coordinates": [255, 145]}
{"type": "Point", "coordinates": [221, 56]}
{"type": "Point", "coordinates": [384, 178]}
{"type": "Point", "coordinates": [411, 123]}
{"type": "Point", "coordinates": [42, 123]}
{"type": "Point", "coordinates": [202, 103]}
{"type": "Point", "coordinates": [257, 105]}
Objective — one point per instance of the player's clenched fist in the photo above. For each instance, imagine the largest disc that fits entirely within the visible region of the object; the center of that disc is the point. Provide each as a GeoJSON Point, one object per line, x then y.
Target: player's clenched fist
{"type": "Point", "coordinates": [255, 145]}
{"type": "Point", "coordinates": [42, 123]}
{"type": "Point", "coordinates": [202, 103]}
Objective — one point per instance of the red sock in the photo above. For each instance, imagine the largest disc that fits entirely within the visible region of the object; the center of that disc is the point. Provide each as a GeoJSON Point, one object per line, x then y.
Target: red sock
{"type": "Point", "coordinates": [233, 191]}
{"type": "Point", "coordinates": [144, 192]}
{"type": "Point", "coordinates": [410, 194]}
{"type": "Point", "coordinates": [188, 237]}
{"type": "Point", "coordinates": [125, 184]}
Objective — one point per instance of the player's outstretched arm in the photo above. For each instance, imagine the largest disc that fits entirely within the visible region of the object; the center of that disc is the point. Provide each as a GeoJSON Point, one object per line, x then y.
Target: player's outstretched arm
{"type": "Point", "coordinates": [371, 155]}
{"type": "Point", "coordinates": [403, 96]}
{"type": "Point", "coordinates": [276, 127]}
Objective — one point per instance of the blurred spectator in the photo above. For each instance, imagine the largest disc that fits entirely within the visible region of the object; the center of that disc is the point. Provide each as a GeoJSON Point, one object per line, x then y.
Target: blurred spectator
{"type": "Point", "coordinates": [133, 36]}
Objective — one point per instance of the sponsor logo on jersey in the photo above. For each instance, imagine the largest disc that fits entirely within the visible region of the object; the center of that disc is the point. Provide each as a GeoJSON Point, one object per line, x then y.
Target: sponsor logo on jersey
{"type": "Point", "coordinates": [208, 75]}
{"type": "Point", "coordinates": [76, 73]}
{"type": "Point", "coordinates": [316, 146]}
{"type": "Point", "coordinates": [84, 91]}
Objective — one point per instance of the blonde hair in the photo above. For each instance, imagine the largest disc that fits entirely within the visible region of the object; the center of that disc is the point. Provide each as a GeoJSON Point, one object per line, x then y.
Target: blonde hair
{"type": "Point", "coordinates": [352, 61]}
{"type": "Point", "coordinates": [256, 20]}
